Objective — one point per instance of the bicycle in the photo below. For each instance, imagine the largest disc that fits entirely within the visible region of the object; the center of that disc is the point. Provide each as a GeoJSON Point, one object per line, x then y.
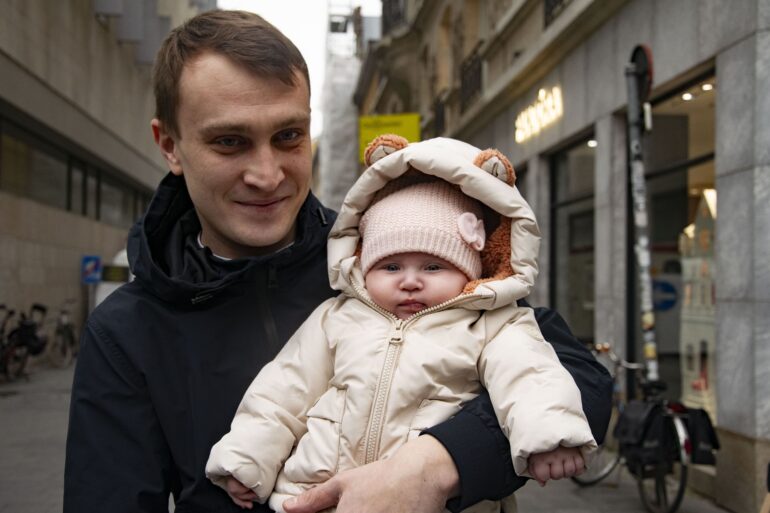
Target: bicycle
{"type": "Point", "coordinates": [63, 346]}
{"type": "Point", "coordinates": [13, 354]}
{"type": "Point", "coordinates": [648, 436]}
{"type": "Point", "coordinates": [23, 341]}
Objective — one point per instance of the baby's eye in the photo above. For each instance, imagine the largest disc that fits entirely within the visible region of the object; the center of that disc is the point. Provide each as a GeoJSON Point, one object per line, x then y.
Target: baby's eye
{"type": "Point", "coordinates": [391, 268]}
{"type": "Point", "coordinates": [433, 267]}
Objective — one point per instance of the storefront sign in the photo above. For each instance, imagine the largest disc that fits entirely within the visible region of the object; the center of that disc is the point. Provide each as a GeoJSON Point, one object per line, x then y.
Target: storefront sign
{"type": "Point", "coordinates": [545, 111]}
{"type": "Point", "coordinates": [405, 125]}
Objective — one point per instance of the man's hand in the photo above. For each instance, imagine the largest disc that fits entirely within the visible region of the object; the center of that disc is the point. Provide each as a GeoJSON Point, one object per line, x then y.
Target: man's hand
{"type": "Point", "coordinates": [556, 464]}
{"type": "Point", "coordinates": [240, 494]}
{"type": "Point", "coordinates": [419, 478]}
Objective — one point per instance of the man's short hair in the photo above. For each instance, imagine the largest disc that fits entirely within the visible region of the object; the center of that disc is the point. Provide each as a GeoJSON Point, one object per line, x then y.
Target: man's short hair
{"type": "Point", "coordinates": [244, 37]}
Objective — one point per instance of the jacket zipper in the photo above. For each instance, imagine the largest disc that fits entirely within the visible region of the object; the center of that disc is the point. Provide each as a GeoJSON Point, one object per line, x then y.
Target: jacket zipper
{"type": "Point", "coordinates": [268, 321]}
{"type": "Point", "coordinates": [382, 391]}
{"type": "Point", "coordinates": [374, 433]}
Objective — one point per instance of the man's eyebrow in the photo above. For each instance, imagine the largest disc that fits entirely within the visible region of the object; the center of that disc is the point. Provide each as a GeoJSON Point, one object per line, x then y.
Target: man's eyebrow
{"type": "Point", "coordinates": [218, 128]}
{"type": "Point", "coordinates": [241, 128]}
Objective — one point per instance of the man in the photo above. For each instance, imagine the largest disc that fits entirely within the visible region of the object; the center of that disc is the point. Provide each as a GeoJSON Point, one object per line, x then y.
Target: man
{"type": "Point", "coordinates": [229, 260]}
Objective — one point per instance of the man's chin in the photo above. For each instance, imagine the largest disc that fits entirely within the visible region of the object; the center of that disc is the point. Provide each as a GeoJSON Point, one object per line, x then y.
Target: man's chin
{"type": "Point", "coordinates": [263, 243]}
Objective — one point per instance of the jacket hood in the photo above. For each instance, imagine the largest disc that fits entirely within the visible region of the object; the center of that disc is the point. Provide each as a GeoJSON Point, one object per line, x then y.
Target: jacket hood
{"type": "Point", "coordinates": [165, 258]}
{"type": "Point", "coordinates": [509, 259]}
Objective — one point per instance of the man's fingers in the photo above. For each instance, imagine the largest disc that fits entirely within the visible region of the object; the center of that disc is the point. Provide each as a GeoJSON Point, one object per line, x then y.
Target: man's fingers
{"type": "Point", "coordinates": [557, 470]}
{"type": "Point", "coordinates": [316, 499]}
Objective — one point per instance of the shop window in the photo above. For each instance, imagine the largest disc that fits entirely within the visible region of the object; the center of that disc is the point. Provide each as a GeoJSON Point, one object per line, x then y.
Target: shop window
{"type": "Point", "coordinates": [679, 162]}
{"type": "Point", "coordinates": [572, 232]}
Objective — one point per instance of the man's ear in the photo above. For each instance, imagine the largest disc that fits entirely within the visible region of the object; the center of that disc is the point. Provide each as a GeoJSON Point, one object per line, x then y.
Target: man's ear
{"type": "Point", "coordinates": [167, 144]}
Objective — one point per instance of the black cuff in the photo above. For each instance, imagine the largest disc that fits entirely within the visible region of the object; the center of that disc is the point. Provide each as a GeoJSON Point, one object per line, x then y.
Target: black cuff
{"type": "Point", "coordinates": [485, 473]}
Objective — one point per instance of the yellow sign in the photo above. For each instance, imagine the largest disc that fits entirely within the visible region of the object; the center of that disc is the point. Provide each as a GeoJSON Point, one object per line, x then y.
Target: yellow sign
{"type": "Point", "coordinates": [369, 127]}
{"type": "Point", "coordinates": [545, 111]}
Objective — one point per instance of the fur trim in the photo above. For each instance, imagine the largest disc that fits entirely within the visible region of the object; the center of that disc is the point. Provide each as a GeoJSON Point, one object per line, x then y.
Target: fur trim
{"type": "Point", "coordinates": [496, 257]}
{"type": "Point", "coordinates": [489, 159]}
{"type": "Point", "coordinates": [382, 146]}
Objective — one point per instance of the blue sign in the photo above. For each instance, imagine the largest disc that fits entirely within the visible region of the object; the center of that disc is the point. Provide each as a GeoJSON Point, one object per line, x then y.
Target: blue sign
{"type": "Point", "coordinates": [91, 269]}
{"type": "Point", "coordinates": [664, 295]}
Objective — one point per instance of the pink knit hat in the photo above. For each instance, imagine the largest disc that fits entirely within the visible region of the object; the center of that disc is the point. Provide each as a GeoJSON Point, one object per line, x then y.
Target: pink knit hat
{"type": "Point", "coordinates": [422, 214]}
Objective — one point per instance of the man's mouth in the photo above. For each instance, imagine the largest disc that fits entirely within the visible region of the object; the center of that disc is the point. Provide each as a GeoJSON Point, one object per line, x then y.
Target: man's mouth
{"type": "Point", "coordinates": [262, 203]}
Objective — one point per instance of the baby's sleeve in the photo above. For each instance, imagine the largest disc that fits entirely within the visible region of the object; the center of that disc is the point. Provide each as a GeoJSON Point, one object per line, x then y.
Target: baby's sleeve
{"type": "Point", "coordinates": [536, 401]}
{"type": "Point", "coordinates": [272, 414]}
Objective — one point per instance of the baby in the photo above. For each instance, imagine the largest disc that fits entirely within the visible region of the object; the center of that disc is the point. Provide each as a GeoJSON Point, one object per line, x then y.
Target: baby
{"type": "Point", "coordinates": [427, 318]}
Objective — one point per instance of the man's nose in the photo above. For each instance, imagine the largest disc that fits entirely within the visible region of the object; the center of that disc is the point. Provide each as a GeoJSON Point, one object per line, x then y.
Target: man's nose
{"type": "Point", "coordinates": [263, 170]}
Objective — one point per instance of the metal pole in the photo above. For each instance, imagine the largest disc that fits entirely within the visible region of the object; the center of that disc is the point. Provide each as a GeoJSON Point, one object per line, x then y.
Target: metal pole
{"type": "Point", "coordinates": [641, 225]}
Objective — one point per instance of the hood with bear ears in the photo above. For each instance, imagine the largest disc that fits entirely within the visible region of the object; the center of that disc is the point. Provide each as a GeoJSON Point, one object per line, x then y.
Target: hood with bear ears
{"type": "Point", "coordinates": [509, 259]}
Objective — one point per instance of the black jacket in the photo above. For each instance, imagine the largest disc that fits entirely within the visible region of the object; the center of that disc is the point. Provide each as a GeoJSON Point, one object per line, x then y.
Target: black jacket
{"type": "Point", "coordinates": [165, 360]}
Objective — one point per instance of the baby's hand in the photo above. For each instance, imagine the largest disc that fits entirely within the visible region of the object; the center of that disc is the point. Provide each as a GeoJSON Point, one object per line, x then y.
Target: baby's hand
{"type": "Point", "coordinates": [556, 464]}
{"type": "Point", "coordinates": [240, 494]}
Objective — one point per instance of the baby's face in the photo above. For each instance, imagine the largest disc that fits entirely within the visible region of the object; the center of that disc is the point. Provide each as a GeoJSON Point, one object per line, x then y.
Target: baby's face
{"type": "Point", "coordinates": [406, 283]}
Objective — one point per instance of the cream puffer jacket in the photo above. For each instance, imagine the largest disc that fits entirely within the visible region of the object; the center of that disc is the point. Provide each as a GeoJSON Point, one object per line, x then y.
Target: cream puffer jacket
{"type": "Point", "coordinates": [355, 382]}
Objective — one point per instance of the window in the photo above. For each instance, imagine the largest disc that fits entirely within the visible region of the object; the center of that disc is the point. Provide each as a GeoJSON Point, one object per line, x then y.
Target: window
{"type": "Point", "coordinates": [116, 203]}
{"type": "Point", "coordinates": [77, 188]}
{"type": "Point", "coordinates": [33, 167]}
{"type": "Point", "coordinates": [572, 232]}
{"type": "Point", "coordinates": [681, 194]}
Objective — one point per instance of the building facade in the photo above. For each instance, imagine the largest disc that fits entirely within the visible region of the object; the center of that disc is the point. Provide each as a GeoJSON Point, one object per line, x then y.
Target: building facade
{"type": "Point", "coordinates": [77, 160]}
{"type": "Point", "coordinates": [543, 81]}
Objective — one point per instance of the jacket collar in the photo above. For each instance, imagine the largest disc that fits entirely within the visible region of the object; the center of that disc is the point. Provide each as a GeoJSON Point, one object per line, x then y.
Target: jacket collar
{"type": "Point", "coordinates": [166, 260]}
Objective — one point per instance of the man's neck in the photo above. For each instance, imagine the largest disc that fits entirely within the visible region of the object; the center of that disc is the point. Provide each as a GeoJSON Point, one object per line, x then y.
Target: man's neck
{"type": "Point", "coordinates": [267, 250]}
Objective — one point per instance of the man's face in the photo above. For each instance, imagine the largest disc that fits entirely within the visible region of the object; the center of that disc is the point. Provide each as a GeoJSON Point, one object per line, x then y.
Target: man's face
{"type": "Point", "coordinates": [244, 150]}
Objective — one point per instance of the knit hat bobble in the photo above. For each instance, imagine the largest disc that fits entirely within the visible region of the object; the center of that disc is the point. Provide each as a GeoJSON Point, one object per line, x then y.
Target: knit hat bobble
{"type": "Point", "coordinates": [423, 216]}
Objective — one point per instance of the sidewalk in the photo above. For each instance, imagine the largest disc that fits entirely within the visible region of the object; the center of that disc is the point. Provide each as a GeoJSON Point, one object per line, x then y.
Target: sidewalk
{"type": "Point", "coordinates": [33, 422]}
{"type": "Point", "coordinates": [616, 494]}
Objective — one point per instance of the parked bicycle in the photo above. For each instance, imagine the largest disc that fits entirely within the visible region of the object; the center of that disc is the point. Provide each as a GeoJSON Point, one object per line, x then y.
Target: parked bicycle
{"type": "Point", "coordinates": [13, 354]}
{"type": "Point", "coordinates": [23, 341]}
{"type": "Point", "coordinates": [648, 436]}
{"type": "Point", "coordinates": [63, 345]}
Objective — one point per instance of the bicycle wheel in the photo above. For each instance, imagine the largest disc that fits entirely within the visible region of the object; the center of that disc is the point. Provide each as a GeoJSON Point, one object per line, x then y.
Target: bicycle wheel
{"type": "Point", "coordinates": [15, 357]}
{"type": "Point", "coordinates": [606, 459]}
{"type": "Point", "coordinates": [662, 485]}
{"type": "Point", "coordinates": [61, 351]}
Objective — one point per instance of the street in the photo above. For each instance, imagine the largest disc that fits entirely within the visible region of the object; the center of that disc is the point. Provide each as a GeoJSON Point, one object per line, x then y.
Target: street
{"type": "Point", "coordinates": [33, 423]}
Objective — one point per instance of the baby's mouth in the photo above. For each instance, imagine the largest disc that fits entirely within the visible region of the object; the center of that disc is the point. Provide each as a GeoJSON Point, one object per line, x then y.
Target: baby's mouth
{"type": "Point", "coordinates": [412, 305]}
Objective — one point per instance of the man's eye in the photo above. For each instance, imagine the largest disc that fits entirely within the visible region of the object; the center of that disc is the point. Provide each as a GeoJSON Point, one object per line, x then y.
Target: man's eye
{"type": "Point", "coordinates": [287, 136]}
{"type": "Point", "coordinates": [229, 142]}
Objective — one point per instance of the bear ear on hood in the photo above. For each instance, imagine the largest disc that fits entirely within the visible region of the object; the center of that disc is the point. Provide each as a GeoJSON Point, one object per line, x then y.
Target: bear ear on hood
{"type": "Point", "coordinates": [497, 165]}
{"type": "Point", "coordinates": [382, 146]}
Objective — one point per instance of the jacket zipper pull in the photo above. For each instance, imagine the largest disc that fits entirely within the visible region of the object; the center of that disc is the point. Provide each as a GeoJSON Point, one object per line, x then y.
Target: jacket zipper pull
{"type": "Point", "coordinates": [398, 336]}
{"type": "Point", "coordinates": [272, 277]}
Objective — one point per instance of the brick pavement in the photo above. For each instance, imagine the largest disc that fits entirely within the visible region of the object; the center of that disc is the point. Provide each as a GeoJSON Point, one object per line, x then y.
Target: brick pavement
{"type": "Point", "coordinates": [33, 423]}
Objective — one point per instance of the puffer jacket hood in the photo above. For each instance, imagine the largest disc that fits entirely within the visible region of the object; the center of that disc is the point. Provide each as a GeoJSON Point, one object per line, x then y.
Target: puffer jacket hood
{"type": "Point", "coordinates": [161, 258]}
{"type": "Point", "coordinates": [509, 261]}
